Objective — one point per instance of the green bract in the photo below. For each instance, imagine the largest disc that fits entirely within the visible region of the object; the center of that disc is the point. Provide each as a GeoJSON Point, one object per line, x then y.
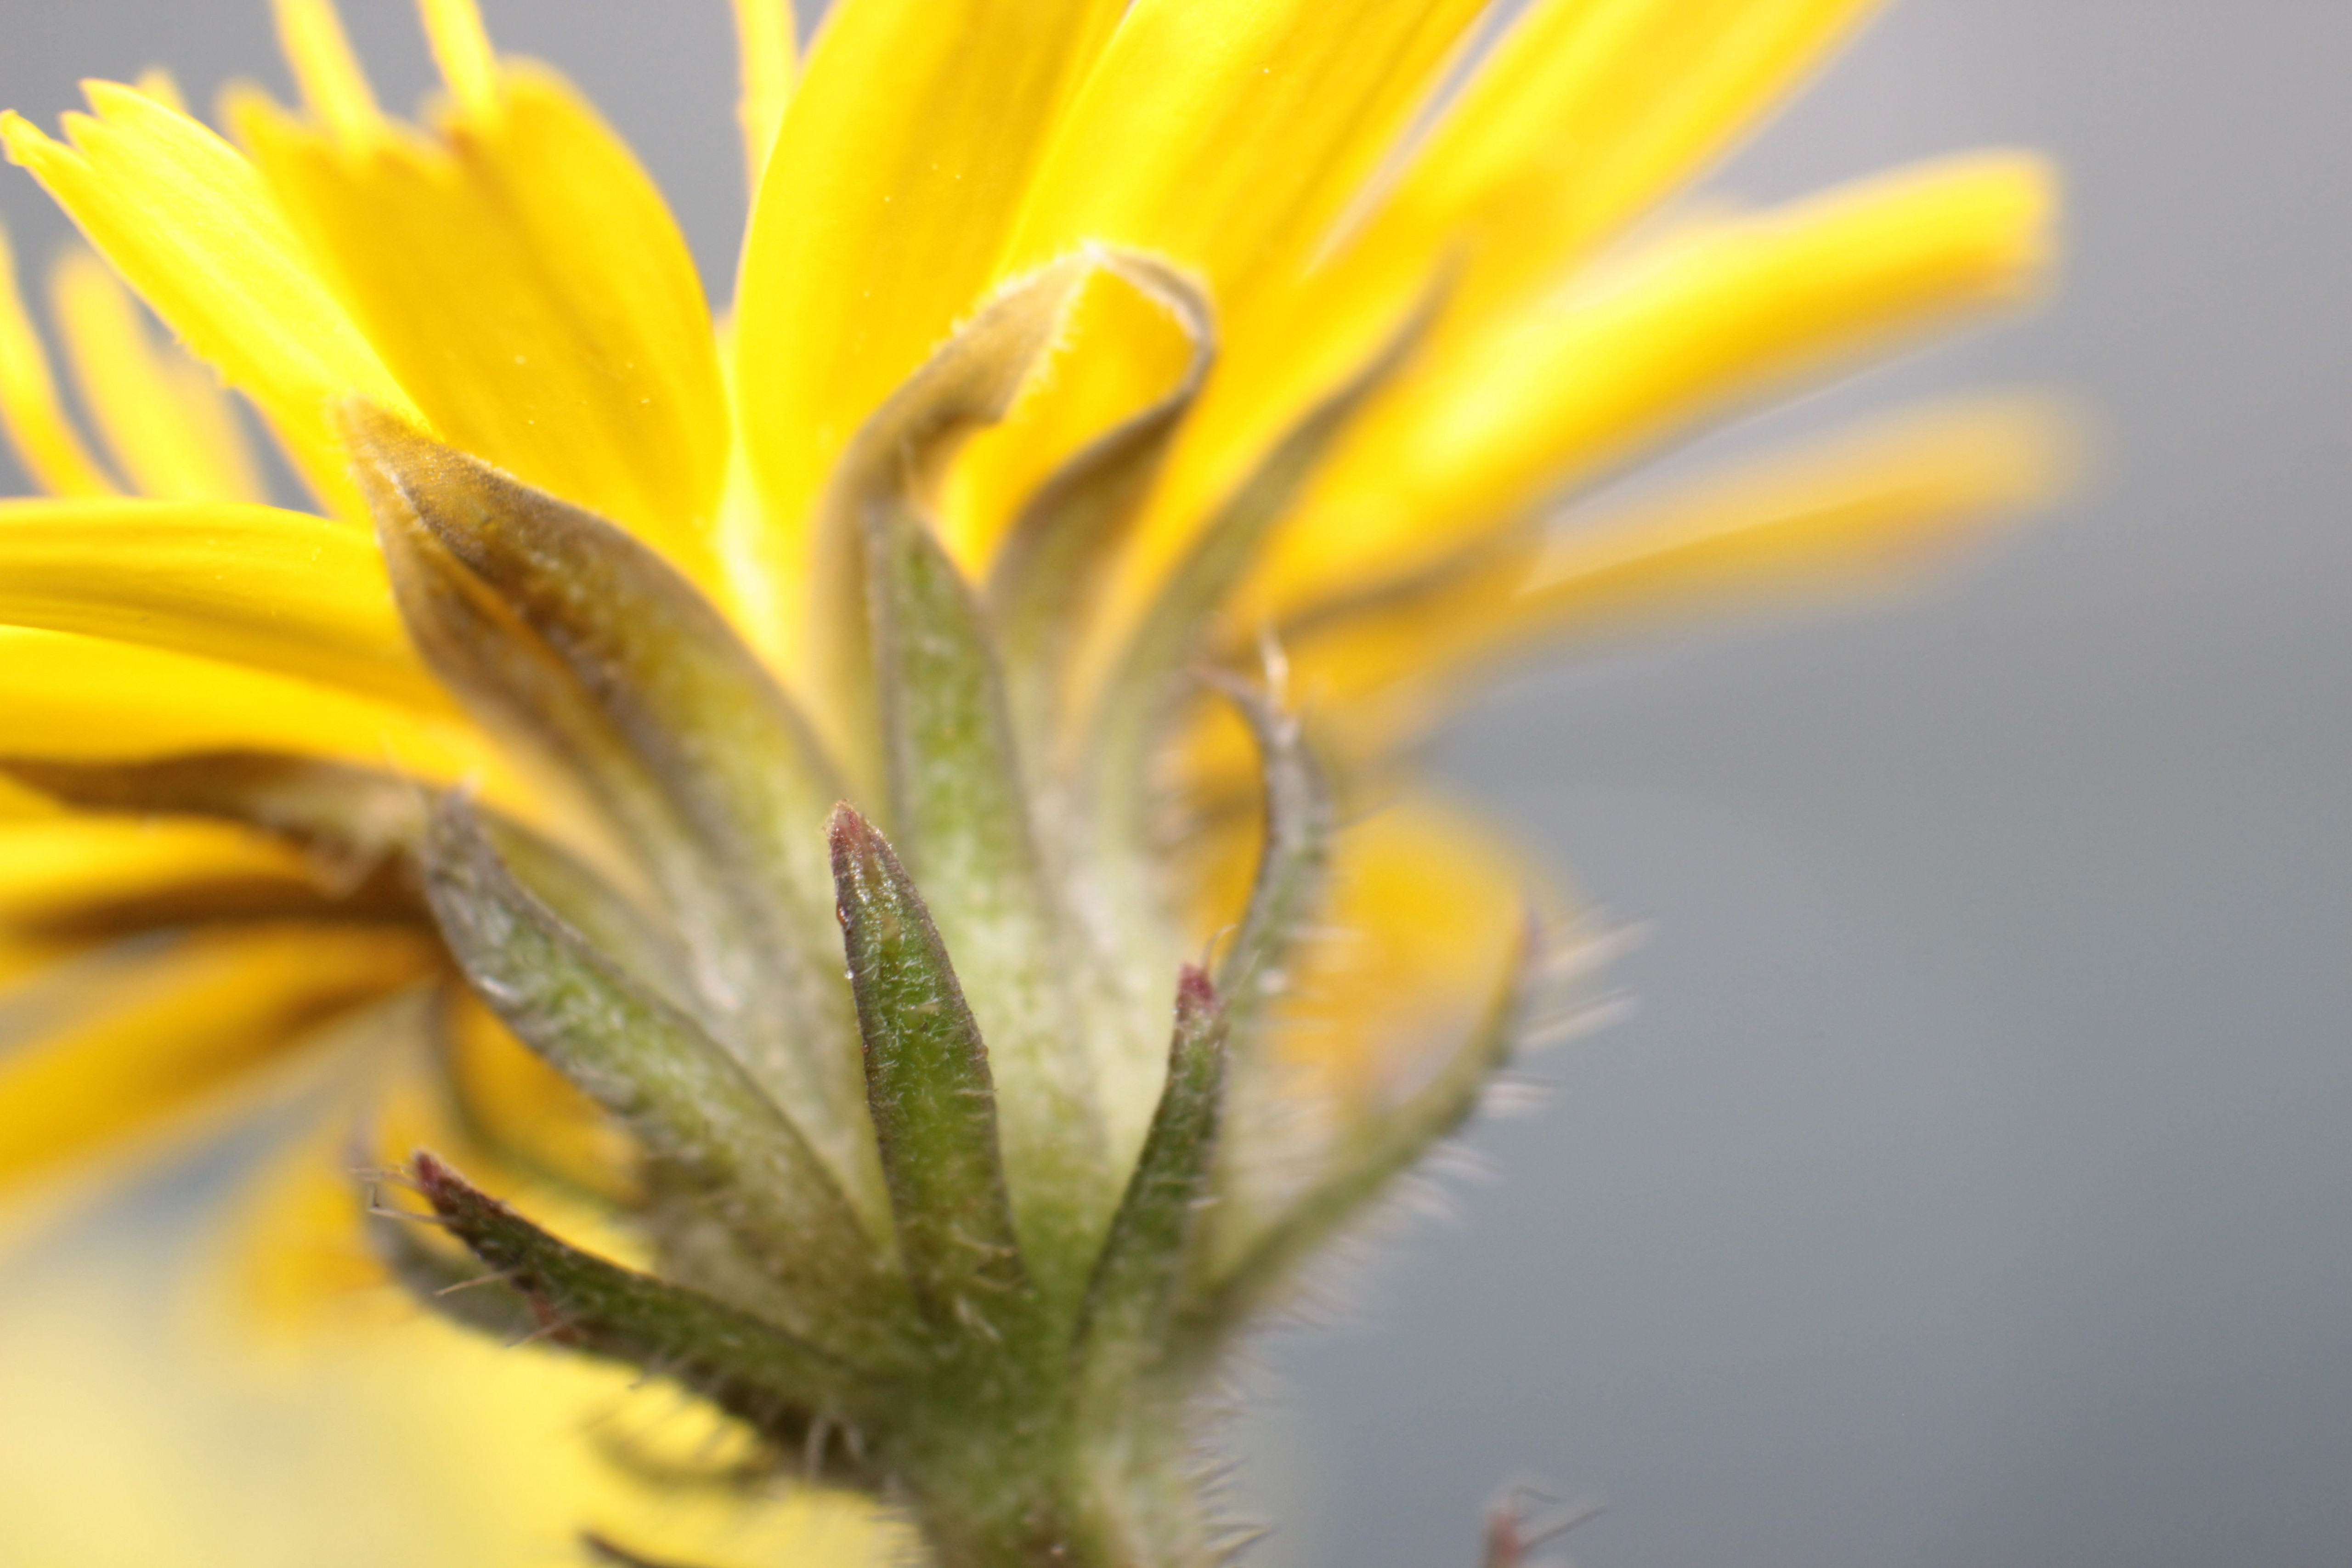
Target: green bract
{"type": "Point", "coordinates": [952, 1224]}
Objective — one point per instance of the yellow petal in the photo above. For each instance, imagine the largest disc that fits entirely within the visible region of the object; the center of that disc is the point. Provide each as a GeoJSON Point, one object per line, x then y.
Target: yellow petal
{"type": "Point", "coordinates": [290, 1289]}
{"type": "Point", "coordinates": [158, 83]}
{"type": "Point", "coordinates": [1583, 116]}
{"type": "Point", "coordinates": [17, 801]}
{"type": "Point", "coordinates": [52, 868]}
{"type": "Point", "coordinates": [889, 194]}
{"type": "Point", "coordinates": [411, 1443]}
{"type": "Point", "coordinates": [1318, 95]}
{"type": "Point", "coordinates": [23, 955]}
{"type": "Point", "coordinates": [171, 429]}
{"type": "Point", "coordinates": [765, 50]}
{"type": "Point", "coordinates": [36, 422]}
{"type": "Point", "coordinates": [69, 882]}
{"type": "Point", "coordinates": [1423, 913]}
{"type": "Point", "coordinates": [523, 280]}
{"type": "Point", "coordinates": [1425, 907]}
{"type": "Point", "coordinates": [461, 49]}
{"type": "Point", "coordinates": [185, 220]}
{"type": "Point", "coordinates": [523, 1105]}
{"type": "Point", "coordinates": [311, 35]}
{"type": "Point", "coordinates": [281, 591]}
{"type": "Point", "coordinates": [105, 1045]}
{"type": "Point", "coordinates": [894, 465]}
{"type": "Point", "coordinates": [1123, 351]}
{"type": "Point", "coordinates": [296, 1263]}
{"type": "Point", "coordinates": [1229, 134]}
{"type": "Point", "coordinates": [1865, 510]}
{"type": "Point", "coordinates": [69, 698]}
{"type": "Point", "coordinates": [1545, 397]}
{"type": "Point", "coordinates": [296, 1259]}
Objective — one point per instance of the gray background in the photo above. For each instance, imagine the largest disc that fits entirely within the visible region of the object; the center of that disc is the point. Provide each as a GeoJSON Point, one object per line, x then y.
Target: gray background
{"type": "Point", "coordinates": [1972, 1188]}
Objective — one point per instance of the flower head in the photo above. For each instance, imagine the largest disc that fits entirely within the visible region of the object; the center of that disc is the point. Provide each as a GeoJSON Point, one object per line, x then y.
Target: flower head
{"type": "Point", "coordinates": [1133, 427]}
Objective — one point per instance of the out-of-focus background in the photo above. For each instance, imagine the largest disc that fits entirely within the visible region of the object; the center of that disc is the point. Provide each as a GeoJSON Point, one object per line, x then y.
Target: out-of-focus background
{"type": "Point", "coordinates": [1972, 1186]}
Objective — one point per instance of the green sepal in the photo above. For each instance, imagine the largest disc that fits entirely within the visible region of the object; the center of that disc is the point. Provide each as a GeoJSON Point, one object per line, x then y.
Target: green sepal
{"type": "Point", "coordinates": [957, 807]}
{"type": "Point", "coordinates": [686, 1098]}
{"type": "Point", "coordinates": [1053, 566]}
{"type": "Point", "coordinates": [1132, 1296]}
{"type": "Point", "coordinates": [612, 923]}
{"type": "Point", "coordinates": [934, 1103]}
{"type": "Point", "coordinates": [452, 1285]}
{"type": "Point", "coordinates": [1294, 855]}
{"type": "Point", "coordinates": [484, 650]}
{"type": "Point", "coordinates": [1381, 1149]}
{"type": "Point", "coordinates": [779, 1383]}
{"type": "Point", "coordinates": [963, 827]}
{"type": "Point", "coordinates": [558, 626]}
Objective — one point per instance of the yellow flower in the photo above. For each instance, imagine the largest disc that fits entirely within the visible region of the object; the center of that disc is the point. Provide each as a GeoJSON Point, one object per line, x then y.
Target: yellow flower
{"type": "Point", "coordinates": [1192, 331]}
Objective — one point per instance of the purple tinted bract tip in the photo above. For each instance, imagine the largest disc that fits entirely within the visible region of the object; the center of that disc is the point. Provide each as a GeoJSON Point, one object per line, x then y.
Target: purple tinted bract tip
{"type": "Point", "coordinates": [1194, 992]}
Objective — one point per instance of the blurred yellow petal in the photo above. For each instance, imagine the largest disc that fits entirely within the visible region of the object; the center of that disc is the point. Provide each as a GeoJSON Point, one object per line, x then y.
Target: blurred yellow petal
{"type": "Point", "coordinates": [461, 49]}
{"type": "Point", "coordinates": [890, 192]}
{"type": "Point", "coordinates": [1419, 929]}
{"type": "Point", "coordinates": [19, 801]}
{"type": "Point", "coordinates": [52, 867]}
{"type": "Point", "coordinates": [522, 1107]}
{"type": "Point", "coordinates": [311, 35]}
{"type": "Point", "coordinates": [36, 422]}
{"type": "Point", "coordinates": [416, 1444]}
{"type": "Point", "coordinates": [295, 1261]}
{"type": "Point", "coordinates": [69, 697]}
{"type": "Point", "coordinates": [281, 591]}
{"type": "Point", "coordinates": [1425, 910]}
{"type": "Point", "coordinates": [98, 1047]}
{"type": "Point", "coordinates": [158, 83]}
{"type": "Point", "coordinates": [524, 283]}
{"type": "Point", "coordinates": [766, 58]}
{"type": "Point", "coordinates": [21, 956]}
{"type": "Point", "coordinates": [165, 418]}
{"type": "Point", "coordinates": [1584, 115]}
{"type": "Point", "coordinates": [296, 1256]}
{"type": "Point", "coordinates": [185, 220]}
{"type": "Point", "coordinates": [1489, 428]}
{"type": "Point", "coordinates": [293, 1290]}
{"type": "Point", "coordinates": [1865, 510]}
